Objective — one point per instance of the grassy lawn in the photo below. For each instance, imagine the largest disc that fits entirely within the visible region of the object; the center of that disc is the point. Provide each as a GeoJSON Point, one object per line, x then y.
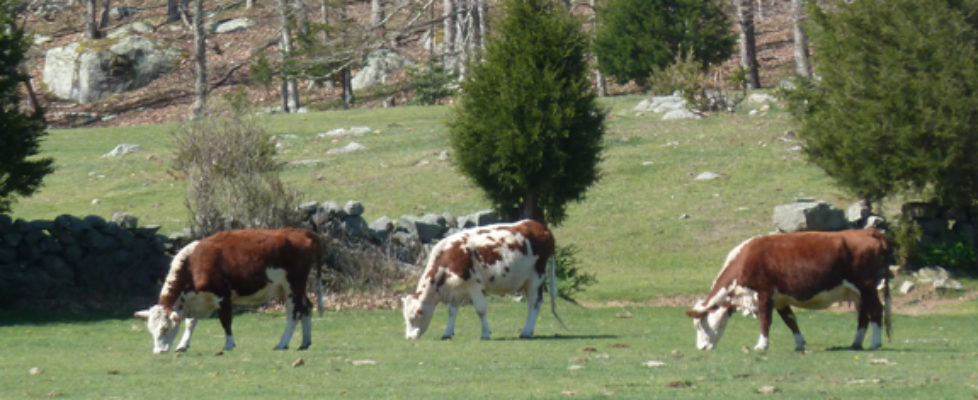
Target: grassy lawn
{"type": "Point", "coordinates": [362, 354]}
{"type": "Point", "coordinates": [648, 230]}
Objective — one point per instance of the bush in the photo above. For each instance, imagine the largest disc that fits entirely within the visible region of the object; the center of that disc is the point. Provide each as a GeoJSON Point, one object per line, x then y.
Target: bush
{"type": "Point", "coordinates": [571, 280]}
{"type": "Point", "coordinates": [527, 129]}
{"type": "Point", "coordinates": [634, 37]}
{"type": "Point", "coordinates": [229, 163]}
{"type": "Point", "coordinates": [893, 110]}
{"type": "Point", "coordinates": [431, 85]}
{"type": "Point", "coordinates": [687, 77]}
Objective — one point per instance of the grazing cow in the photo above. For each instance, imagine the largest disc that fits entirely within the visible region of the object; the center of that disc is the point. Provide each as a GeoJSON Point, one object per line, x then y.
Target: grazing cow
{"type": "Point", "coordinates": [236, 267]}
{"type": "Point", "coordinates": [805, 269]}
{"type": "Point", "coordinates": [498, 259]}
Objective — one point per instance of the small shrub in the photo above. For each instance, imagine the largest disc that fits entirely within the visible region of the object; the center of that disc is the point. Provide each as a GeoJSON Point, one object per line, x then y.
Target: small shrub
{"type": "Point", "coordinates": [952, 253]}
{"type": "Point", "coordinates": [571, 280]}
{"type": "Point", "coordinates": [687, 77]}
{"type": "Point", "coordinates": [229, 163]}
{"type": "Point", "coordinates": [359, 266]}
{"type": "Point", "coordinates": [431, 85]}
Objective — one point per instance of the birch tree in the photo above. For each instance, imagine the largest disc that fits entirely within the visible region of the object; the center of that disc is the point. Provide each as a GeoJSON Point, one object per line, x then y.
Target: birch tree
{"type": "Point", "coordinates": [748, 43]}
{"type": "Point", "coordinates": [200, 61]}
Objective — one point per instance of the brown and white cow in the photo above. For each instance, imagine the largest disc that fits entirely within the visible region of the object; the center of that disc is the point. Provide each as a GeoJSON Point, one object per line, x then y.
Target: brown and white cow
{"type": "Point", "coordinates": [497, 259]}
{"type": "Point", "coordinates": [804, 269]}
{"type": "Point", "coordinates": [236, 267]}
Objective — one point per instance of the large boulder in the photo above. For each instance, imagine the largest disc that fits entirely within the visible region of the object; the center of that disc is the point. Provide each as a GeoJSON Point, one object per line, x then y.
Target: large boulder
{"type": "Point", "coordinates": [806, 215]}
{"type": "Point", "coordinates": [379, 66]}
{"type": "Point", "coordinates": [88, 71]}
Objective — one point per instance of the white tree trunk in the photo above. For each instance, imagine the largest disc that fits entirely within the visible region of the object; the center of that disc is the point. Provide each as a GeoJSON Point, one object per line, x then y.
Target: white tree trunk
{"type": "Point", "coordinates": [200, 61]}
{"type": "Point", "coordinates": [290, 95]}
{"type": "Point", "coordinates": [448, 47]}
{"type": "Point", "coordinates": [376, 12]}
{"type": "Point", "coordinates": [748, 49]}
{"type": "Point", "coordinates": [802, 65]}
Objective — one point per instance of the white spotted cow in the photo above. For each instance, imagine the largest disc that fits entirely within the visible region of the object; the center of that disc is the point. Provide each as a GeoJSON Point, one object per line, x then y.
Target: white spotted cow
{"type": "Point", "coordinates": [247, 267]}
{"type": "Point", "coordinates": [810, 270]}
{"type": "Point", "coordinates": [497, 259]}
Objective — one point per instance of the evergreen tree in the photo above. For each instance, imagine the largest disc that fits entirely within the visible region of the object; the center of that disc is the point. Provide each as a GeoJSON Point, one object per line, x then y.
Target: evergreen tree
{"type": "Point", "coordinates": [20, 172]}
{"type": "Point", "coordinates": [527, 129]}
{"type": "Point", "coordinates": [894, 110]}
{"type": "Point", "coordinates": [634, 37]}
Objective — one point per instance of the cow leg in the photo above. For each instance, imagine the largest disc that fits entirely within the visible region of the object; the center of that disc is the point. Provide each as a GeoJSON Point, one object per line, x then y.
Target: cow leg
{"type": "Point", "coordinates": [870, 313]}
{"type": "Point", "coordinates": [224, 313]}
{"type": "Point", "coordinates": [481, 308]}
{"type": "Point", "coordinates": [534, 297]}
{"type": "Point", "coordinates": [767, 311]}
{"type": "Point", "coordinates": [306, 314]}
{"type": "Point", "coordinates": [187, 333]}
{"type": "Point", "coordinates": [289, 325]}
{"type": "Point", "coordinates": [789, 319]}
{"type": "Point", "coordinates": [450, 327]}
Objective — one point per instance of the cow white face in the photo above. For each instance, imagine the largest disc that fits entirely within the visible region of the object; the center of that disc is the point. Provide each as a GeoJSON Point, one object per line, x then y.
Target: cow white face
{"type": "Point", "coordinates": [162, 326]}
{"type": "Point", "coordinates": [417, 317]}
{"type": "Point", "coordinates": [709, 325]}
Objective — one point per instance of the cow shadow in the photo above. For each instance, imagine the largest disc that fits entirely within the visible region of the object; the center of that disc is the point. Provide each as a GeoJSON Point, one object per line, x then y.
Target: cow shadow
{"type": "Point", "coordinates": [558, 336]}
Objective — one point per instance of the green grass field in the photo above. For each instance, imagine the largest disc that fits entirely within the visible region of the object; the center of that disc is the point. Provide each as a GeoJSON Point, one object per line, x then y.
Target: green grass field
{"type": "Point", "coordinates": [604, 354]}
{"type": "Point", "coordinates": [631, 232]}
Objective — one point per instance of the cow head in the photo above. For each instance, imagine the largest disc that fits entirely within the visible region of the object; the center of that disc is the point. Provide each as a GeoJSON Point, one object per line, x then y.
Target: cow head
{"type": "Point", "coordinates": [162, 324]}
{"type": "Point", "coordinates": [709, 323]}
{"type": "Point", "coordinates": [417, 316]}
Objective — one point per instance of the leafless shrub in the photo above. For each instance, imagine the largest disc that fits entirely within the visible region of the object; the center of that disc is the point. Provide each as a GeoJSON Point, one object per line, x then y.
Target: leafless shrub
{"type": "Point", "coordinates": [361, 266]}
{"type": "Point", "coordinates": [229, 163]}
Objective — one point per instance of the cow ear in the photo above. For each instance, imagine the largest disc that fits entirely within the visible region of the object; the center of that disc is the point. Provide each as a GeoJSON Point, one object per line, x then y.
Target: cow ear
{"type": "Point", "coordinates": [143, 315]}
{"type": "Point", "coordinates": [694, 314]}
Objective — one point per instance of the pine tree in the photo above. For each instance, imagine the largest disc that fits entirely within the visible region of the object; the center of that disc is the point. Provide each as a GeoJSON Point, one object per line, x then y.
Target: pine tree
{"type": "Point", "coordinates": [527, 129]}
{"type": "Point", "coordinates": [634, 37]}
{"type": "Point", "coordinates": [20, 171]}
{"type": "Point", "coordinates": [894, 109]}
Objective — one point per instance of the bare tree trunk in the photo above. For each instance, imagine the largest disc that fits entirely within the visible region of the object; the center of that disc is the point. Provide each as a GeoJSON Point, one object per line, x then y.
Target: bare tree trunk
{"type": "Point", "coordinates": [601, 83]}
{"type": "Point", "coordinates": [748, 48]}
{"type": "Point", "coordinates": [290, 88]}
{"type": "Point", "coordinates": [483, 21]}
{"type": "Point", "coordinates": [347, 79]}
{"type": "Point", "coordinates": [91, 31]}
{"type": "Point", "coordinates": [802, 66]}
{"type": "Point", "coordinates": [249, 4]}
{"type": "Point", "coordinates": [301, 17]}
{"type": "Point", "coordinates": [760, 10]}
{"type": "Point", "coordinates": [448, 49]}
{"type": "Point", "coordinates": [104, 23]}
{"type": "Point", "coordinates": [172, 11]}
{"type": "Point", "coordinates": [376, 13]}
{"type": "Point", "coordinates": [200, 61]}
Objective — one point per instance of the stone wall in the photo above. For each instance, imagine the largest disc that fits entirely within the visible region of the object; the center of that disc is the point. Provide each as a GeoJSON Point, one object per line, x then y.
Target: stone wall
{"type": "Point", "coordinates": [82, 262]}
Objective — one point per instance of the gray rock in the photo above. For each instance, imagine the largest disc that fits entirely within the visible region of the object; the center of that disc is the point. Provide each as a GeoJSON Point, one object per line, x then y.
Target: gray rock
{"type": "Point", "coordinates": [906, 287]}
{"type": "Point", "coordinates": [809, 216]}
{"type": "Point", "coordinates": [122, 12]}
{"type": "Point", "coordinates": [124, 220]}
{"type": "Point", "coordinates": [383, 224]}
{"type": "Point", "coordinates": [349, 148]}
{"type": "Point", "coordinates": [353, 208]}
{"type": "Point", "coordinates": [355, 226]}
{"type": "Point", "coordinates": [123, 149]}
{"type": "Point", "coordinates": [380, 64]}
{"type": "Point", "coordinates": [708, 176]}
{"type": "Point", "coordinates": [661, 104]}
{"type": "Point", "coordinates": [680, 114]}
{"type": "Point", "coordinates": [88, 74]}
{"type": "Point", "coordinates": [761, 98]}
{"type": "Point", "coordinates": [425, 230]}
{"type": "Point", "coordinates": [233, 25]}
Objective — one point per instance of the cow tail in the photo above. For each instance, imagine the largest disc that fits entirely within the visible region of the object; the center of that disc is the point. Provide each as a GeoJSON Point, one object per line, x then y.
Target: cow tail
{"type": "Point", "coordinates": [319, 278]}
{"type": "Point", "coordinates": [887, 320]}
{"type": "Point", "coordinates": [552, 266]}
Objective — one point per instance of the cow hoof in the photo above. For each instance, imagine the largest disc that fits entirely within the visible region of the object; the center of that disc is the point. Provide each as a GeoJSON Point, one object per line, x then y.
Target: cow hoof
{"type": "Point", "coordinates": [181, 350]}
{"type": "Point", "coordinates": [530, 336]}
{"type": "Point", "coordinates": [281, 348]}
{"type": "Point", "coordinates": [304, 347]}
{"type": "Point", "coordinates": [857, 347]}
{"type": "Point", "coordinates": [446, 338]}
